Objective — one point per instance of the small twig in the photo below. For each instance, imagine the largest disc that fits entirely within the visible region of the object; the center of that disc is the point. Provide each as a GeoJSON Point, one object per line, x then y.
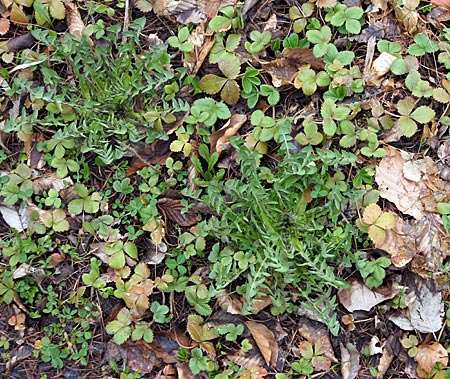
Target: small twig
{"type": "Point", "coordinates": [126, 20]}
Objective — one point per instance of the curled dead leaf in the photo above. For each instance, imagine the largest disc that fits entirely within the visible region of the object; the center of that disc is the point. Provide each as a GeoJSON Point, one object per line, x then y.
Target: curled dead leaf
{"type": "Point", "coordinates": [221, 137]}
{"type": "Point", "coordinates": [74, 21]}
{"type": "Point", "coordinates": [428, 355]}
{"type": "Point", "coordinates": [382, 64]}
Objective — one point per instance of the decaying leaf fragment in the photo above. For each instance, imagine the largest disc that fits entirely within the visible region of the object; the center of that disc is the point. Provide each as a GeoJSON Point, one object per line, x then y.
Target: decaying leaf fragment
{"type": "Point", "coordinates": [429, 354]}
{"type": "Point", "coordinates": [284, 68]}
{"type": "Point", "coordinates": [350, 361]}
{"type": "Point", "coordinates": [382, 64]}
{"type": "Point", "coordinates": [406, 194]}
{"type": "Point", "coordinates": [426, 310]}
{"type": "Point", "coordinates": [74, 20]}
{"type": "Point", "coordinates": [361, 297]}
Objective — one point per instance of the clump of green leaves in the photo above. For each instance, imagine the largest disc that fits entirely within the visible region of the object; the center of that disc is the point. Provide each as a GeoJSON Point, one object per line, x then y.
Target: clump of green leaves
{"type": "Point", "coordinates": [99, 111]}
{"type": "Point", "coordinates": [373, 271]}
{"type": "Point", "coordinates": [378, 222]}
{"type": "Point", "coordinates": [348, 20]}
{"type": "Point", "coordinates": [274, 220]}
{"type": "Point", "coordinates": [259, 41]}
{"type": "Point", "coordinates": [227, 86]}
{"type": "Point", "coordinates": [410, 116]}
{"type": "Point", "coordinates": [300, 16]}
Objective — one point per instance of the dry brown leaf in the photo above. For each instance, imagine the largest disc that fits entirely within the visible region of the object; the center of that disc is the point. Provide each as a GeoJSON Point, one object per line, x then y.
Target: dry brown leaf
{"type": "Point", "coordinates": [441, 3]}
{"type": "Point", "coordinates": [17, 15]}
{"type": "Point", "coordinates": [203, 53]}
{"type": "Point", "coordinates": [183, 371]}
{"type": "Point", "coordinates": [387, 356]}
{"type": "Point", "coordinates": [265, 340]}
{"type": "Point", "coordinates": [74, 21]}
{"type": "Point", "coordinates": [190, 11]}
{"type": "Point", "coordinates": [284, 68]}
{"type": "Point", "coordinates": [173, 210]}
{"type": "Point", "coordinates": [399, 244]}
{"type": "Point", "coordinates": [326, 3]}
{"type": "Point", "coordinates": [4, 26]}
{"type": "Point", "coordinates": [427, 356]}
{"type": "Point", "coordinates": [219, 138]}
{"type": "Point", "coordinates": [155, 153]}
{"type": "Point", "coordinates": [229, 303]}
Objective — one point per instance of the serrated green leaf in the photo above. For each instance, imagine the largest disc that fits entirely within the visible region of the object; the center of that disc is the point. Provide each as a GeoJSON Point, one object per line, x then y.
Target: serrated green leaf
{"type": "Point", "coordinates": [57, 9]}
{"type": "Point", "coordinates": [230, 92]}
{"type": "Point", "coordinates": [405, 107]}
{"type": "Point", "coordinates": [233, 41]}
{"type": "Point", "coordinates": [441, 95]}
{"type": "Point", "coordinates": [211, 83]}
{"type": "Point", "coordinates": [407, 126]}
{"type": "Point", "coordinates": [220, 23]}
{"type": "Point", "coordinates": [309, 87]}
{"type": "Point", "coordinates": [177, 146]}
{"type": "Point", "coordinates": [347, 141]}
{"type": "Point", "coordinates": [377, 235]}
{"type": "Point", "coordinates": [230, 66]}
{"type": "Point", "coordinates": [117, 260]}
{"type": "Point", "coordinates": [76, 206]}
{"type": "Point", "coordinates": [443, 208]}
{"type": "Point", "coordinates": [387, 220]}
{"type": "Point", "coordinates": [329, 127]}
{"type": "Point", "coordinates": [423, 114]}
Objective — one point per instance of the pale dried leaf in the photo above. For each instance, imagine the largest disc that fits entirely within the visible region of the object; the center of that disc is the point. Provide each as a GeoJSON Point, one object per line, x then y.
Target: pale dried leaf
{"type": "Point", "coordinates": [387, 357]}
{"type": "Point", "coordinates": [74, 21]}
{"type": "Point", "coordinates": [16, 217]}
{"type": "Point", "coordinates": [441, 3]}
{"type": "Point", "coordinates": [349, 361]}
{"type": "Point", "coordinates": [221, 137]}
{"type": "Point", "coordinates": [25, 269]}
{"type": "Point", "coordinates": [265, 340]}
{"type": "Point", "coordinates": [382, 64]}
{"type": "Point", "coordinates": [427, 311]}
{"type": "Point", "coordinates": [375, 346]}
{"type": "Point", "coordinates": [48, 181]}
{"type": "Point", "coordinates": [404, 193]}
{"type": "Point", "coordinates": [402, 322]}
{"type": "Point", "coordinates": [428, 355]}
{"type": "Point", "coordinates": [361, 297]}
